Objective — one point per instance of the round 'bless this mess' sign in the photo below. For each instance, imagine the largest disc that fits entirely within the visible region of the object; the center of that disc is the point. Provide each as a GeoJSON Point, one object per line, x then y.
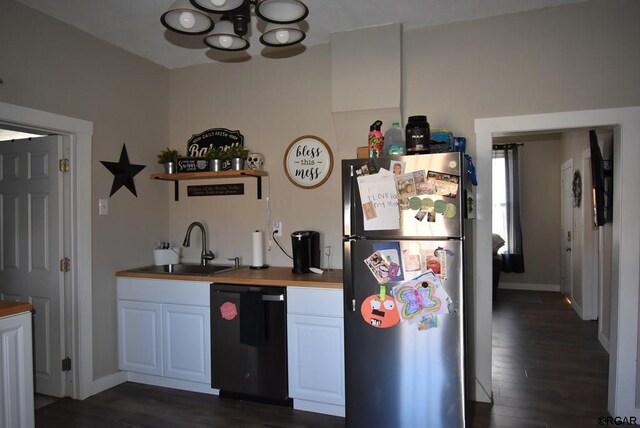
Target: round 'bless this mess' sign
{"type": "Point", "coordinates": [308, 161]}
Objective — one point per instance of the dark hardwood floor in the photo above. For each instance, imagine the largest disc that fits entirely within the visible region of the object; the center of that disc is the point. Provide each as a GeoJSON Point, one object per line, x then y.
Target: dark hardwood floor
{"type": "Point", "coordinates": [549, 370]}
{"type": "Point", "coordinates": [136, 405]}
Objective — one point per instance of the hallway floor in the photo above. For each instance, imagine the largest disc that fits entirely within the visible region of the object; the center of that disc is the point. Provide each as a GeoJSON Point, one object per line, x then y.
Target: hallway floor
{"type": "Point", "coordinates": [549, 369]}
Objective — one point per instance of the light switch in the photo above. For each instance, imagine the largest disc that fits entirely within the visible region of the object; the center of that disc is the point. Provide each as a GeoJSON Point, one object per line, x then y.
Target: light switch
{"type": "Point", "coordinates": [103, 206]}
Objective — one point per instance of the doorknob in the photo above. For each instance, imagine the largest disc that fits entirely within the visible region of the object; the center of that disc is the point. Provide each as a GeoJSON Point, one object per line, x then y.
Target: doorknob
{"type": "Point", "coordinates": [568, 249]}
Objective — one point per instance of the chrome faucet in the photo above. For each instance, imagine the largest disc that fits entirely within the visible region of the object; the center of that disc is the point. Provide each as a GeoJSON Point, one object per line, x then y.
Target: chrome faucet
{"type": "Point", "coordinates": [206, 253]}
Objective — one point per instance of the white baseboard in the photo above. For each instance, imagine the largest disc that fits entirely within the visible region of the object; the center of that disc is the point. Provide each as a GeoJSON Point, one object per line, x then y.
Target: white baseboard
{"type": "Point", "coordinates": [529, 286]}
{"type": "Point", "coordinates": [603, 341]}
{"type": "Point", "coordinates": [312, 406]}
{"type": "Point", "coordinates": [108, 382]}
{"type": "Point", "coordinates": [166, 382]}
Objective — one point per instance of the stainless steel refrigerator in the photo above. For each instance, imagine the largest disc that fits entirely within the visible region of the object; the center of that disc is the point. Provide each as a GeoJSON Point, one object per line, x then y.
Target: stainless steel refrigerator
{"type": "Point", "coordinates": [397, 232]}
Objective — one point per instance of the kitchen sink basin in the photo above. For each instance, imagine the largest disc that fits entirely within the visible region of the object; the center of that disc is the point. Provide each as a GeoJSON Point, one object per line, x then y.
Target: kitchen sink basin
{"type": "Point", "coordinates": [185, 269]}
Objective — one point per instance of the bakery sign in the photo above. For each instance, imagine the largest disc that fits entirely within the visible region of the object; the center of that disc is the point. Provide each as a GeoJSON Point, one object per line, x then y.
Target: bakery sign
{"type": "Point", "coordinates": [308, 161]}
{"type": "Point", "coordinates": [222, 138]}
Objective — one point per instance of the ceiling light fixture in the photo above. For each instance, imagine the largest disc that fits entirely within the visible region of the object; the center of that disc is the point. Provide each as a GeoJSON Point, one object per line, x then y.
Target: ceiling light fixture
{"type": "Point", "coordinates": [193, 17]}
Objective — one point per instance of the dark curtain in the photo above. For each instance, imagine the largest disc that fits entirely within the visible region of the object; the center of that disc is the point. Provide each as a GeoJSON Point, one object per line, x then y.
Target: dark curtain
{"type": "Point", "coordinates": [513, 259]}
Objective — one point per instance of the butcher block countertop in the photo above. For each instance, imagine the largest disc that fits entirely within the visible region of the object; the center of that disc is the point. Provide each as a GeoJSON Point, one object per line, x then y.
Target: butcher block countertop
{"type": "Point", "coordinates": [13, 308]}
{"type": "Point", "coordinates": [277, 276]}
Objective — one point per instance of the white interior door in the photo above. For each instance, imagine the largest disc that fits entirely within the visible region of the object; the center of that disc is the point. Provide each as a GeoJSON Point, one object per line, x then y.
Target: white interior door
{"type": "Point", "coordinates": [567, 227]}
{"type": "Point", "coordinates": [31, 229]}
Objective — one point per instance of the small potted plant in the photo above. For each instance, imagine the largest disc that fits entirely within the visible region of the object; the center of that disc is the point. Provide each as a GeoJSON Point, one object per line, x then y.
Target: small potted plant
{"type": "Point", "coordinates": [214, 155]}
{"type": "Point", "coordinates": [237, 155]}
{"type": "Point", "coordinates": [168, 157]}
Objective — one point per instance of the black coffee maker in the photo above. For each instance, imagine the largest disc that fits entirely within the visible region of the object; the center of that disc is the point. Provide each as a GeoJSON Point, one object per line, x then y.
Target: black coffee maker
{"type": "Point", "coordinates": [306, 250]}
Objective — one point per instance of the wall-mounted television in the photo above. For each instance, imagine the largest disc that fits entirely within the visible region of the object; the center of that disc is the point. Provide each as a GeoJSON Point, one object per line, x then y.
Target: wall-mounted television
{"type": "Point", "coordinates": [601, 183]}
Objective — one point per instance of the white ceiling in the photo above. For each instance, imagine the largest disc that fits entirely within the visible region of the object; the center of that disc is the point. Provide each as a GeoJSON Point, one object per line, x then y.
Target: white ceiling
{"type": "Point", "coordinates": [134, 25]}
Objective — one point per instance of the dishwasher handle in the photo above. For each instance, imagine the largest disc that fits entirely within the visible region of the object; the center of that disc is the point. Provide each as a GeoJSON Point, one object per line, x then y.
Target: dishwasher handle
{"type": "Point", "coordinates": [277, 296]}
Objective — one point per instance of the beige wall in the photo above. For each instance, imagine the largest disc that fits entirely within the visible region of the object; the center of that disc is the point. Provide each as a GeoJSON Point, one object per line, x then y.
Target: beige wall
{"type": "Point", "coordinates": [540, 161]}
{"type": "Point", "coordinates": [49, 66]}
{"type": "Point", "coordinates": [272, 102]}
{"type": "Point", "coordinates": [576, 57]}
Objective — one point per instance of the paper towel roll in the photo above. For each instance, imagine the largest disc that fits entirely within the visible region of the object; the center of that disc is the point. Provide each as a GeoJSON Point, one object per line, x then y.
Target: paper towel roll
{"type": "Point", "coordinates": [257, 252]}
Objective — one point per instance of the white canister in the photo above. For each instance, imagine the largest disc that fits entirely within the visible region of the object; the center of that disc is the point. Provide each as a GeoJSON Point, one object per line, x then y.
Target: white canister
{"type": "Point", "coordinates": [168, 256]}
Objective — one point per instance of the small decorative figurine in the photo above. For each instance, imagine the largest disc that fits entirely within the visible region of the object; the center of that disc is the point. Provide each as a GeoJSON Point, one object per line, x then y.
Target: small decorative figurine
{"type": "Point", "coordinates": [255, 161]}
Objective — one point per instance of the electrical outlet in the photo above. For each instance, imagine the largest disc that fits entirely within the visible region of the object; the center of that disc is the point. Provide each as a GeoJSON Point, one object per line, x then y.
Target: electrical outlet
{"type": "Point", "coordinates": [277, 228]}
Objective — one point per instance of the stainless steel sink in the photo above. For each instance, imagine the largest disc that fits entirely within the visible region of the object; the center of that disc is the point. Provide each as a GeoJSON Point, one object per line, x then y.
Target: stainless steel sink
{"type": "Point", "coordinates": [185, 269]}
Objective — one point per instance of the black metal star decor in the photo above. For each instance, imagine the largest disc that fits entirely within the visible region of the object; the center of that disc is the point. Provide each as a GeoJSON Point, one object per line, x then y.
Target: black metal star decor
{"type": "Point", "coordinates": [123, 172]}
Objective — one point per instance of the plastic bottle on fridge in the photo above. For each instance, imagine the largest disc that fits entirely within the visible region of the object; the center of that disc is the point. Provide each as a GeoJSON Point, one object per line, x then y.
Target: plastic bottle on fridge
{"type": "Point", "coordinates": [375, 140]}
{"type": "Point", "coordinates": [394, 140]}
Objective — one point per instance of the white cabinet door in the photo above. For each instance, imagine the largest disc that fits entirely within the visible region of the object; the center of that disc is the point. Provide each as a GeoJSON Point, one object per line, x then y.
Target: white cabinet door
{"type": "Point", "coordinates": [187, 343]}
{"type": "Point", "coordinates": [316, 358]}
{"type": "Point", "coordinates": [16, 372]}
{"type": "Point", "coordinates": [140, 337]}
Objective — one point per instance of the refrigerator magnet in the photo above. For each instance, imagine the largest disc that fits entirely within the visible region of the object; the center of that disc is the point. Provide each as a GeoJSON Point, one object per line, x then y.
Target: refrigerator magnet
{"type": "Point", "coordinates": [444, 184]}
{"type": "Point", "coordinates": [397, 167]}
{"type": "Point", "coordinates": [405, 185]}
{"type": "Point", "coordinates": [422, 186]}
{"type": "Point", "coordinates": [450, 211]}
{"type": "Point", "coordinates": [422, 295]}
{"type": "Point", "coordinates": [433, 263]}
{"type": "Point", "coordinates": [427, 203]}
{"type": "Point", "coordinates": [415, 203]}
{"type": "Point", "coordinates": [431, 215]}
{"type": "Point", "coordinates": [440, 206]}
{"type": "Point", "coordinates": [411, 261]}
{"type": "Point", "coordinates": [404, 203]}
{"type": "Point", "coordinates": [390, 251]}
{"type": "Point", "coordinates": [380, 313]}
{"type": "Point", "coordinates": [384, 269]}
{"type": "Point", "coordinates": [425, 322]}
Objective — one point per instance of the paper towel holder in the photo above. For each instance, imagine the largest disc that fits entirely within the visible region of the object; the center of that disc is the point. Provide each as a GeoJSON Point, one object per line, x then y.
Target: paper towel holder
{"type": "Point", "coordinates": [258, 244]}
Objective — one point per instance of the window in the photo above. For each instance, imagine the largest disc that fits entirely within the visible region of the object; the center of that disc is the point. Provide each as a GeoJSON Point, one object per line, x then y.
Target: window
{"type": "Point", "coordinates": [499, 192]}
{"type": "Point", "coordinates": [506, 205]}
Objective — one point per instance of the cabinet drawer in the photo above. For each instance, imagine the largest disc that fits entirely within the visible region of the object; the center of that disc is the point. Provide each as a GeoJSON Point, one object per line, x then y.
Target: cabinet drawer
{"type": "Point", "coordinates": [164, 291]}
{"type": "Point", "coordinates": [323, 302]}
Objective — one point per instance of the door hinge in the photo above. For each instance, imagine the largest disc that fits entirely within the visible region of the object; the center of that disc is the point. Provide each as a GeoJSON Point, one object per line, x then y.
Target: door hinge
{"type": "Point", "coordinates": [66, 365]}
{"type": "Point", "coordinates": [64, 165]}
{"type": "Point", "coordinates": [65, 265]}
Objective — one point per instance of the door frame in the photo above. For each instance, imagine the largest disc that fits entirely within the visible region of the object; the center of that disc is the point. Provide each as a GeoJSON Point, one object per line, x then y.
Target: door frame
{"type": "Point", "coordinates": [79, 299]}
{"type": "Point", "coordinates": [625, 122]}
{"type": "Point", "coordinates": [591, 267]}
{"type": "Point", "coordinates": [568, 164]}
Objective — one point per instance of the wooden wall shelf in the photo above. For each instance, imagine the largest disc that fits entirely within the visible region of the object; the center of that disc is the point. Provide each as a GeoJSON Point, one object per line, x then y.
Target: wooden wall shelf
{"type": "Point", "coordinates": [176, 178]}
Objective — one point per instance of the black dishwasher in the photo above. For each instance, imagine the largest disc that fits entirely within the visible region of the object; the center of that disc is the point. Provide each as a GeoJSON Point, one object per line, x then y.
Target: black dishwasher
{"type": "Point", "coordinates": [248, 342]}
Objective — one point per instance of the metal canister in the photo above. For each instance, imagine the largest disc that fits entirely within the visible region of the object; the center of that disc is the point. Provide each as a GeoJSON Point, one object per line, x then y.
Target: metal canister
{"type": "Point", "coordinates": [418, 135]}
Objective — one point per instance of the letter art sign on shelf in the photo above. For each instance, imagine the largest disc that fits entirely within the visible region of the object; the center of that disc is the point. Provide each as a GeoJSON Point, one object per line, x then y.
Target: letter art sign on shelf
{"type": "Point", "coordinates": [220, 138]}
{"type": "Point", "coordinates": [308, 161]}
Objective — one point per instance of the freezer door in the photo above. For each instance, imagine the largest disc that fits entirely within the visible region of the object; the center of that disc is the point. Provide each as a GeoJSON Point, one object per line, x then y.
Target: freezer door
{"type": "Point", "coordinates": [401, 376]}
{"type": "Point", "coordinates": [440, 170]}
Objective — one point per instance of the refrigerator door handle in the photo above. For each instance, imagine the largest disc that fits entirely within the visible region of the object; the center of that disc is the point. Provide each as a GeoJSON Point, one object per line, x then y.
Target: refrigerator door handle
{"type": "Point", "coordinates": [349, 292]}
